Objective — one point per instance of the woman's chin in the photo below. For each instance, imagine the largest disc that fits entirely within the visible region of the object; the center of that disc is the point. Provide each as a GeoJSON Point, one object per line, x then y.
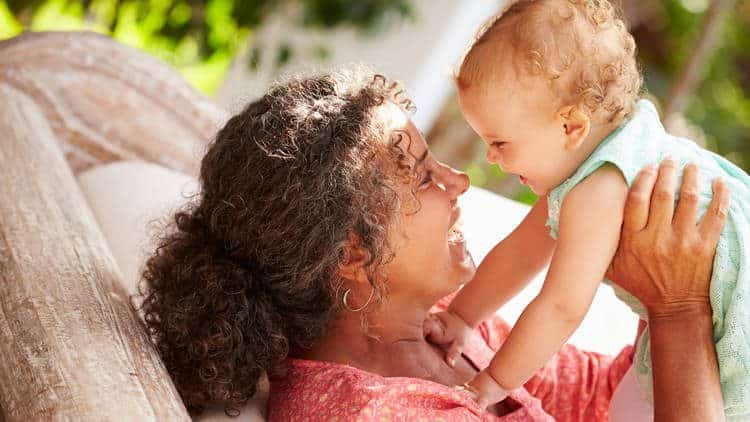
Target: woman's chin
{"type": "Point", "coordinates": [462, 261]}
{"type": "Point", "coordinates": [468, 270]}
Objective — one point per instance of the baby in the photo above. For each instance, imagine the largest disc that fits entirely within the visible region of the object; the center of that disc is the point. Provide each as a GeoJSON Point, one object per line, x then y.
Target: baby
{"type": "Point", "coordinates": [552, 87]}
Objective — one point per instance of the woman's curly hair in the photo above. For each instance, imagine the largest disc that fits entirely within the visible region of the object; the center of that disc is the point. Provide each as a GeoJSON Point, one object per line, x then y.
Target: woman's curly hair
{"type": "Point", "coordinates": [581, 46]}
{"type": "Point", "coordinates": [245, 274]}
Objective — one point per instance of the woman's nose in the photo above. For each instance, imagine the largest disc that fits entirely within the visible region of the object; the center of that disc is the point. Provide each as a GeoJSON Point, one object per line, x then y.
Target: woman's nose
{"type": "Point", "coordinates": [455, 182]}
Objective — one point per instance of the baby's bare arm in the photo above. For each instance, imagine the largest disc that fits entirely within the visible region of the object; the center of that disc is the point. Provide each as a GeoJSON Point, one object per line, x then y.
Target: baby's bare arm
{"type": "Point", "coordinates": [589, 232]}
{"type": "Point", "coordinates": [507, 269]}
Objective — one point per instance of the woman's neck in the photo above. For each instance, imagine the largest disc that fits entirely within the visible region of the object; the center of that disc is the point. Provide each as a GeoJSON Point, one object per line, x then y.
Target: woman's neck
{"type": "Point", "coordinates": [391, 337]}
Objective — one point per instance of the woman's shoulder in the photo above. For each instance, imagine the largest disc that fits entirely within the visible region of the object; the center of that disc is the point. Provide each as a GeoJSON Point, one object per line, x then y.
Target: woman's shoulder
{"type": "Point", "coordinates": [330, 391]}
{"type": "Point", "coordinates": [325, 391]}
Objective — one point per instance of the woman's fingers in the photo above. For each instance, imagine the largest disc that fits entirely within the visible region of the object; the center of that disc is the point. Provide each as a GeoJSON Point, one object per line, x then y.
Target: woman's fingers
{"type": "Point", "coordinates": [686, 216]}
{"type": "Point", "coordinates": [636, 209]}
{"type": "Point", "coordinates": [713, 220]}
{"type": "Point", "coordinates": [662, 199]}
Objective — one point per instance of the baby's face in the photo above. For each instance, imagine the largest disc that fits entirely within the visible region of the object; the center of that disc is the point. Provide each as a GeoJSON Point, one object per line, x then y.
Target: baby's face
{"type": "Point", "coordinates": [522, 129]}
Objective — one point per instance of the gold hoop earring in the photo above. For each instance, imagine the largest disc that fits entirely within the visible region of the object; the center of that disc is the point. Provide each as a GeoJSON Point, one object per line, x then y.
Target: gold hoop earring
{"type": "Point", "coordinates": [349, 308]}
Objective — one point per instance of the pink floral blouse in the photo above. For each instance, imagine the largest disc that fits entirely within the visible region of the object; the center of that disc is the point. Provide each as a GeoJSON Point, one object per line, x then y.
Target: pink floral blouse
{"type": "Point", "coordinates": [573, 386]}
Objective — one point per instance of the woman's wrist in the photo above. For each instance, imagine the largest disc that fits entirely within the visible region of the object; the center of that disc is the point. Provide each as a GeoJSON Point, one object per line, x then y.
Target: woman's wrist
{"type": "Point", "coordinates": [685, 368]}
{"type": "Point", "coordinates": [679, 309]}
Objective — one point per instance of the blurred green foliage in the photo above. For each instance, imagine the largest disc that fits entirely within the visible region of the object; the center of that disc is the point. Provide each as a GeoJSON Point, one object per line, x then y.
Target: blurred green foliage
{"type": "Point", "coordinates": [198, 37]}
{"type": "Point", "coordinates": [201, 37]}
{"type": "Point", "coordinates": [721, 104]}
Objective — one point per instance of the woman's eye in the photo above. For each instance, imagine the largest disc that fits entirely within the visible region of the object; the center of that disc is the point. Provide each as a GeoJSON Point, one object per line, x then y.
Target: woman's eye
{"type": "Point", "coordinates": [426, 179]}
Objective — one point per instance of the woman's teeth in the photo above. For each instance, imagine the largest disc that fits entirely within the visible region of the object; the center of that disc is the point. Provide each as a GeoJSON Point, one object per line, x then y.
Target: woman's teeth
{"type": "Point", "coordinates": [454, 233]}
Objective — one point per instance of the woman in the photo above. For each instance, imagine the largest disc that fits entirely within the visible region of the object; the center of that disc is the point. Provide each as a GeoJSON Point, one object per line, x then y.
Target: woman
{"type": "Point", "coordinates": [322, 238]}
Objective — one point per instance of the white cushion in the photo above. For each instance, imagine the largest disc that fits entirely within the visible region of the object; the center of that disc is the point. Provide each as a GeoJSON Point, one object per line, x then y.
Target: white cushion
{"type": "Point", "coordinates": [126, 197]}
{"type": "Point", "coordinates": [130, 200]}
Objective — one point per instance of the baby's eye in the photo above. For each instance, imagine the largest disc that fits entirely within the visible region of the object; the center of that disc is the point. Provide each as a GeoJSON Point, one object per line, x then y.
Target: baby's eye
{"type": "Point", "coordinates": [499, 144]}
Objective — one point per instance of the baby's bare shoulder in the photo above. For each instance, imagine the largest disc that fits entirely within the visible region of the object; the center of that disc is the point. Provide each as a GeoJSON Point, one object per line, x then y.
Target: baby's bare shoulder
{"type": "Point", "coordinates": [606, 183]}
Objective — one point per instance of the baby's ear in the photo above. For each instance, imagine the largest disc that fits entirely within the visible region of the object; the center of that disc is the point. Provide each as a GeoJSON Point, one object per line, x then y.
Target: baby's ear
{"type": "Point", "coordinates": [575, 124]}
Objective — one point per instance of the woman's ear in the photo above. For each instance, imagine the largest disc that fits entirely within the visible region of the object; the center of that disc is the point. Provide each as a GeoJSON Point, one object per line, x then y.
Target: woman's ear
{"type": "Point", "coordinates": [353, 266]}
{"type": "Point", "coordinates": [576, 126]}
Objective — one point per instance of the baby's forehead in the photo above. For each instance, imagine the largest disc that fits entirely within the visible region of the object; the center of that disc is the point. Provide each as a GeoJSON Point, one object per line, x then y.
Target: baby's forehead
{"type": "Point", "coordinates": [495, 109]}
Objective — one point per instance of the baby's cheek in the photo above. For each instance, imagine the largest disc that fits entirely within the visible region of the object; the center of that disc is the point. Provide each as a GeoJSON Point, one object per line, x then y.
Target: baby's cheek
{"type": "Point", "coordinates": [508, 161]}
{"type": "Point", "coordinates": [540, 191]}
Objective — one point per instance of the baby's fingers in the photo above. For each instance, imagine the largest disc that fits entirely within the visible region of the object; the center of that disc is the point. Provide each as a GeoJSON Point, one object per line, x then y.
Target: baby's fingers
{"type": "Point", "coordinates": [464, 388]}
{"type": "Point", "coordinates": [434, 330]}
{"type": "Point", "coordinates": [483, 403]}
{"type": "Point", "coordinates": [454, 352]}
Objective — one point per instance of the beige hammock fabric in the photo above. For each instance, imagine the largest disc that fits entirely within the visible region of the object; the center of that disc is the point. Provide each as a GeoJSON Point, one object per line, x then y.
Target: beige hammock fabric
{"type": "Point", "coordinates": [72, 345]}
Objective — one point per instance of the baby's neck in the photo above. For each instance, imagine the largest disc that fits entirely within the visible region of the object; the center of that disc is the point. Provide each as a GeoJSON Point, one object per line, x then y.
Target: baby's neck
{"type": "Point", "coordinates": [600, 131]}
{"type": "Point", "coordinates": [596, 135]}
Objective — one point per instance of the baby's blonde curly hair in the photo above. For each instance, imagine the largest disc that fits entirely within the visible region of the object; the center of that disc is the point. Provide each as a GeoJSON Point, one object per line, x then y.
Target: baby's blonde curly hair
{"type": "Point", "coordinates": [580, 46]}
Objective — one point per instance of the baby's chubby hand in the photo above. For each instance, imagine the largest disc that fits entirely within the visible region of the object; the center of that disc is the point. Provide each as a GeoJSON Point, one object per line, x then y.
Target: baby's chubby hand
{"type": "Point", "coordinates": [485, 390]}
{"type": "Point", "coordinates": [447, 329]}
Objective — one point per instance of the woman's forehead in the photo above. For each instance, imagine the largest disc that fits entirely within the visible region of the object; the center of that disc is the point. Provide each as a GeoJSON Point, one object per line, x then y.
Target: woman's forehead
{"type": "Point", "coordinates": [396, 121]}
{"type": "Point", "coordinates": [392, 115]}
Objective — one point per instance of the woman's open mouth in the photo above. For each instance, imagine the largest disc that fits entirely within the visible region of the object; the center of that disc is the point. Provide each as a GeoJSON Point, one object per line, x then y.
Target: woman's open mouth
{"type": "Point", "coordinates": [454, 232]}
{"type": "Point", "coordinates": [457, 246]}
{"type": "Point", "coordinates": [455, 235]}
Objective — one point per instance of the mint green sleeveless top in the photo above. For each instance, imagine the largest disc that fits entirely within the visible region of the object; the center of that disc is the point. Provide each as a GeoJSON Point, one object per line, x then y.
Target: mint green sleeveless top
{"type": "Point", "coordinates": [640, 141]}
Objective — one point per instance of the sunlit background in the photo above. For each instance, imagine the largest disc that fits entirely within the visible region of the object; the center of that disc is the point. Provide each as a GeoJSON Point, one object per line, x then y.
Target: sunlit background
{"type": "Point", "coordinates": [695, 55]}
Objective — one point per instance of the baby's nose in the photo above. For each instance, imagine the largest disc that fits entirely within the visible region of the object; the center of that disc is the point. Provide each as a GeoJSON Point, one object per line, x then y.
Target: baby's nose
{"type": "Point", "coordinates": [493, 157]}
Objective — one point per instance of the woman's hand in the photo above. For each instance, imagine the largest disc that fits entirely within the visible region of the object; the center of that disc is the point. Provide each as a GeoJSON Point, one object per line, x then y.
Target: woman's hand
{"type": "Point", "coordinates": [665, 258]}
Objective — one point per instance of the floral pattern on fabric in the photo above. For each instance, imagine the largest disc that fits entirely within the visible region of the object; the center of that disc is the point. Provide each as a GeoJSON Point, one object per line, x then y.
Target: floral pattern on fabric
{"type": "Point", "coordinates": [573, 386]}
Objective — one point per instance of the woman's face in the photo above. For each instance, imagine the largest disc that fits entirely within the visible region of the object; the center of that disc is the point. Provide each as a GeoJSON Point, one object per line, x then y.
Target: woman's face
{"type": "Point", "coordinates": [430, 254]}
